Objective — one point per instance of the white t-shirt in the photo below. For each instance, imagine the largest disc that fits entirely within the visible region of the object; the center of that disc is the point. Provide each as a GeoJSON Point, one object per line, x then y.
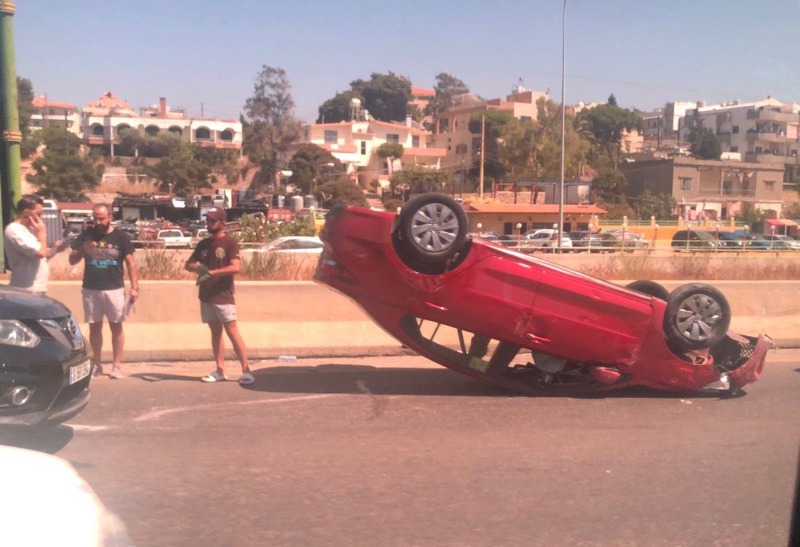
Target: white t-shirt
{"type": "Point", "coordinates": [28, 270]}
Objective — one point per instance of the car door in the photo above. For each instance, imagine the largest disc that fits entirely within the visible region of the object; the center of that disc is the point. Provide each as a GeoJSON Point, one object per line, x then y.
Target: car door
{"type": "Point", "coordinates": [587, 320]}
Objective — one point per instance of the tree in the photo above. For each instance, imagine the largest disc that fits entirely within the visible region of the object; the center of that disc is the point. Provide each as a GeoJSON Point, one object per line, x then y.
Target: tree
{"type": "Point", "coordinates": [420, 180]}
{"type": "Point", "coordinates": [608, 123]}
{"type": "Point", "coordinates": [661, 206]}
{"type": "Point", "coordinates": [495, 122]}
{"type": "Point", "coordinates": [517, 151]}
{"type": "Point", "coordinates": [270, 126]}
{"type": "Point", "coordinates": [311, 163]}
{"type": "Point", "coordinates": [391, 151]}
{"type": "Point", "coordinates": [30, 141]}
{"type": "Point", "coordinates": [385, 96]}
{"type": "Point", "coordinates": [342, 191]}
{"type": "Point", "coordinates": [609, 184]}
{"type": "Point", "coordinates": [181, 171]}
{"type": "Point", "coordinates": [338, 108]}
{"type": "Point", "coordinates": [446, 88]}
{"type": "Point", "coordinates": [61, 172]}
{"type": "Point", "coordinates": [704, 144]}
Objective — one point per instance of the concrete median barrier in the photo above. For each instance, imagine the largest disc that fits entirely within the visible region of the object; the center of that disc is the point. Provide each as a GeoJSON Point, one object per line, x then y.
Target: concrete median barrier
{"type": "Point", "coordinates": [306, 319]}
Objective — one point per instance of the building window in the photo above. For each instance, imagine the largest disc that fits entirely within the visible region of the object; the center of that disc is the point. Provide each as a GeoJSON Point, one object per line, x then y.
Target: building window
{"type": "Point", "coordinates": [97, 130]}
{"type": "Point", "coordinates": [415, 141]}
{"type": "Point", "coordinates": [51, 111]}
{"type": "Point", "coordinates": [363, 148]}
{"type": "Point", "coordinates": [769, 185]}
{"type": "Point", "coordinates": [226, 135]}
{"type": "Point", "coordinates": [686, 183]}
{"type": "Point", "coordinates": [734, 148]}
{"type": "Point", "coordinates": [202, 133]}
{"type": "Point", "coordinates": [152, 130]}
{"type": "Point", "coordinates": [735, 129]}
{"type": "Point", "coordinates": [331, 136]}
{"type": "Point", "coordinates": [393, 138]}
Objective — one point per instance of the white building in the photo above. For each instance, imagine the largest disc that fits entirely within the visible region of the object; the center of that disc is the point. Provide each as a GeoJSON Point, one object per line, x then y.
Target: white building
{"type": "Point", "coordinates": [765, 131]}
{"type": "Point", "coordinates": [355, 144]}
{"type": "Point", "coordinates": [48, 113]}
{"type": "Point", "coordinates": [104, 119]}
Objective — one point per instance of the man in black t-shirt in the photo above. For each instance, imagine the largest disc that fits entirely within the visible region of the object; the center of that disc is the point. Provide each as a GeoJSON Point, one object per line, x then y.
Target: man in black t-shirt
{"type": "Point", "coordinates": [106, 253]}
{"type": "Point", "coordinates": [216, 261]}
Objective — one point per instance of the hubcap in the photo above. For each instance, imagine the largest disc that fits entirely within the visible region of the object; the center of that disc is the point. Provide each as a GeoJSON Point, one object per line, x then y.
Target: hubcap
{"type": "Point", "coordinates": [434, 227]}
{"type": "Point", "coordinates": [697, 316]}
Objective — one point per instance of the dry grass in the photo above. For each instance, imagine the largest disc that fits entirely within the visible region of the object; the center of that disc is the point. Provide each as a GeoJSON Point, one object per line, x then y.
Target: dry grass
{"type": "Point", "coordinates": [161, 264]}
{"type": "Point", "coordinates": [733, 266]}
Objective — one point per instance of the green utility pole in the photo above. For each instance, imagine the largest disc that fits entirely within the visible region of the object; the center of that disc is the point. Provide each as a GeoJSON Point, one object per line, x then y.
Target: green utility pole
{"type": "Point", "coordinates": [10, 186]}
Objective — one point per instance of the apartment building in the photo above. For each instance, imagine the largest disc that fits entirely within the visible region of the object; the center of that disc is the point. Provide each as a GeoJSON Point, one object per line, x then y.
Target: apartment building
{"type": "Point", "coordinates": [355, 143]}
{"type": "Point", "coordinates": [452, 132]}
{"type": "Point", "coordinates": [761, 132]}
{"type": "Point", "coordinates": [102, 120]}
{"type": "Point", "coordinates": [47, 113]}
{"type": "Point", "coordinates": [710, 189]}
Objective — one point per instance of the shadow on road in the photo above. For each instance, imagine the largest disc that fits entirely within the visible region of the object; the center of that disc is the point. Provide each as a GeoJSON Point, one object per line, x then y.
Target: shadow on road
{"type": "Point", "coordinates": [43, 439]}
{"type": "Point", "coordinates": [365, 379]}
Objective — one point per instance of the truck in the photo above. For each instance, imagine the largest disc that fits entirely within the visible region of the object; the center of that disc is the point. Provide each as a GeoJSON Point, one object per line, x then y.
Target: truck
{"type": "Point", "coordinates": [172, 238]}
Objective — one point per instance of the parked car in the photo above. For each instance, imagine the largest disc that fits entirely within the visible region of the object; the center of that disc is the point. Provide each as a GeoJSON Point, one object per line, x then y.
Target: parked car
{"type": "Point", "coordinates": [546, 238]}
{"type": "Point", "coordinates": [728, 240]}
{"type": "Point", "coordinates": [755, 242]}
{"type": "Point", "coordinates": [693, 240]}
{"type": "Point", "coordinates": [44, 365]}
{"type": "Point", "coordinates": [199, 236]}
{"type": "Point", "coordinates": [173, 238]}
{"type": "Point", "coordinates": [500, 239]}
{"type": "Point", "coordinates": [522, 322]}
{"type": "Point", "coordinates": [782, 242]}
{"type": "Point", "coordinates": [584, 240]}
{"type": "Point", "coordinates": [293, 245]}
{"type": "Point", "coordinates": [630, 240]}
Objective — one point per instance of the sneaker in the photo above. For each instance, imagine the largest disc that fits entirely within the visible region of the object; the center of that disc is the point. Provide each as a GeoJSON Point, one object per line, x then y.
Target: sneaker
{"type": "Point", "coordinates": [97, 370]}
{"type": "Point", "coordinates": [214, 377]}
{"type": "Point", "coordinates": [246, 379]}
{"type": "Point", "coordinates": [115, 373]}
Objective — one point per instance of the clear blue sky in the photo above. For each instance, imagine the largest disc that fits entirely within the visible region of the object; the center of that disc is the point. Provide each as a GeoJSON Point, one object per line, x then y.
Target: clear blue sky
{"type": "Point", "coordinates": [645, 52]}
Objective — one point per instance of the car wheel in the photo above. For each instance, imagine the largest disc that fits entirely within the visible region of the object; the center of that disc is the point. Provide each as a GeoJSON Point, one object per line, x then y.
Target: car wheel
{"type": "Point", "coordinates": [433, 227]}
{"type": "Point", "coordinates": [697, 316]}
{"type": "Point", "coordinates": [650, 288]}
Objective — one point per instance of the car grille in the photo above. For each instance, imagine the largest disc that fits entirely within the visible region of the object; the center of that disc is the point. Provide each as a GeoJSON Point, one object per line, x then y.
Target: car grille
{"type": "Point", "coordinates": [64, 330]}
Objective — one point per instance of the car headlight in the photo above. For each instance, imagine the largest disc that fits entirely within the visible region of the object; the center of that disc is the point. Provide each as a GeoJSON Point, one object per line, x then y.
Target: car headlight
{"type": "Point", "coordinates": [14, 333]}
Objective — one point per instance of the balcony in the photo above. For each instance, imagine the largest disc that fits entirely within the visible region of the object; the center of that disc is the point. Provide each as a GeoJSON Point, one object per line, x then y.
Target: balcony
{"type": "Point", "coordinates": [768, 157]}
{"type": "Point", "coordinates": [773, 116]}
{"type": "Point", "coordinates": [742, 193]}
{"type": "Point", "coordinates": [767, 136]}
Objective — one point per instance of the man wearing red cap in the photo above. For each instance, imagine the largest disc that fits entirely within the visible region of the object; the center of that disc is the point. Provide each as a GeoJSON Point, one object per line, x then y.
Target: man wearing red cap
{"type": "Point", "coordinates": [216, 261]}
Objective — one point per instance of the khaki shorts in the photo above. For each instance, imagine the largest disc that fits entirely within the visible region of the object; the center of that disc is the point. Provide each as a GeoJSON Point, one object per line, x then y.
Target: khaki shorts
{"type": "Point", "coordinates": [217, 313]}
{"type": "Point", "coordinates": [97, 304]}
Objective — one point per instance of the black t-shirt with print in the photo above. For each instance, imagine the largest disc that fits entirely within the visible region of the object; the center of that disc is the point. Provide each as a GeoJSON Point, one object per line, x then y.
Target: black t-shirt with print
{"type": "Point", "coordinates": [103, 263]}
{"type": "Point", "coordinates": [215, 253]}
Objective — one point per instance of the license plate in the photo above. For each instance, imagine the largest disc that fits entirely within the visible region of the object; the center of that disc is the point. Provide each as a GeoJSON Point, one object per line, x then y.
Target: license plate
{"type": "Point", "coordinates": [79, 372]}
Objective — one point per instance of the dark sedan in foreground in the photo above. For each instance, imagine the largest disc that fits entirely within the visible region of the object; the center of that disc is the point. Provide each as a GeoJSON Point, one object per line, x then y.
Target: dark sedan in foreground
{"type": "Point", "coordinates": [44, 366]}
{"type": "Point", "coordinates": [522, 322]}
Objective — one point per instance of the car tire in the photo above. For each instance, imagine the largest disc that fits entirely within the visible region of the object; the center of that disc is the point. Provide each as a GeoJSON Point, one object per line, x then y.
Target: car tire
{"type": "Point", "coordinates": [432, 227]}
{"type": "Point", "coordinates": [697, 316]}
{"type": "Point", "coordinates": [650, 288]}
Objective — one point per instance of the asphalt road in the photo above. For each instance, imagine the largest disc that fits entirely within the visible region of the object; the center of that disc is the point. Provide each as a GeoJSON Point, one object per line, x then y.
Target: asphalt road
{"type": "Point", "coordinates": [398, 451]}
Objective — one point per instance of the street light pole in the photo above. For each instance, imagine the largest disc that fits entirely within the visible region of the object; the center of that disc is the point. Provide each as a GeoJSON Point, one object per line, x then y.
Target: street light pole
{"type": "Point", "coordinates": [563, 122]}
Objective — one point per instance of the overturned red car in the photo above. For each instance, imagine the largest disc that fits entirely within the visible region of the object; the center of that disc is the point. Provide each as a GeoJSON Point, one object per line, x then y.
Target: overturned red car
{"type": "Point", "coordinates": [525, 323]}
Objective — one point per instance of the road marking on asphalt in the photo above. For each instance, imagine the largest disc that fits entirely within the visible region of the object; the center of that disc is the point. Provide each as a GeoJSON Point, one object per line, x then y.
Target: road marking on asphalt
{"type": "Point", "coordinates": [81, 427]}
{"type": "Point", "coordinates": [156, 414]}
